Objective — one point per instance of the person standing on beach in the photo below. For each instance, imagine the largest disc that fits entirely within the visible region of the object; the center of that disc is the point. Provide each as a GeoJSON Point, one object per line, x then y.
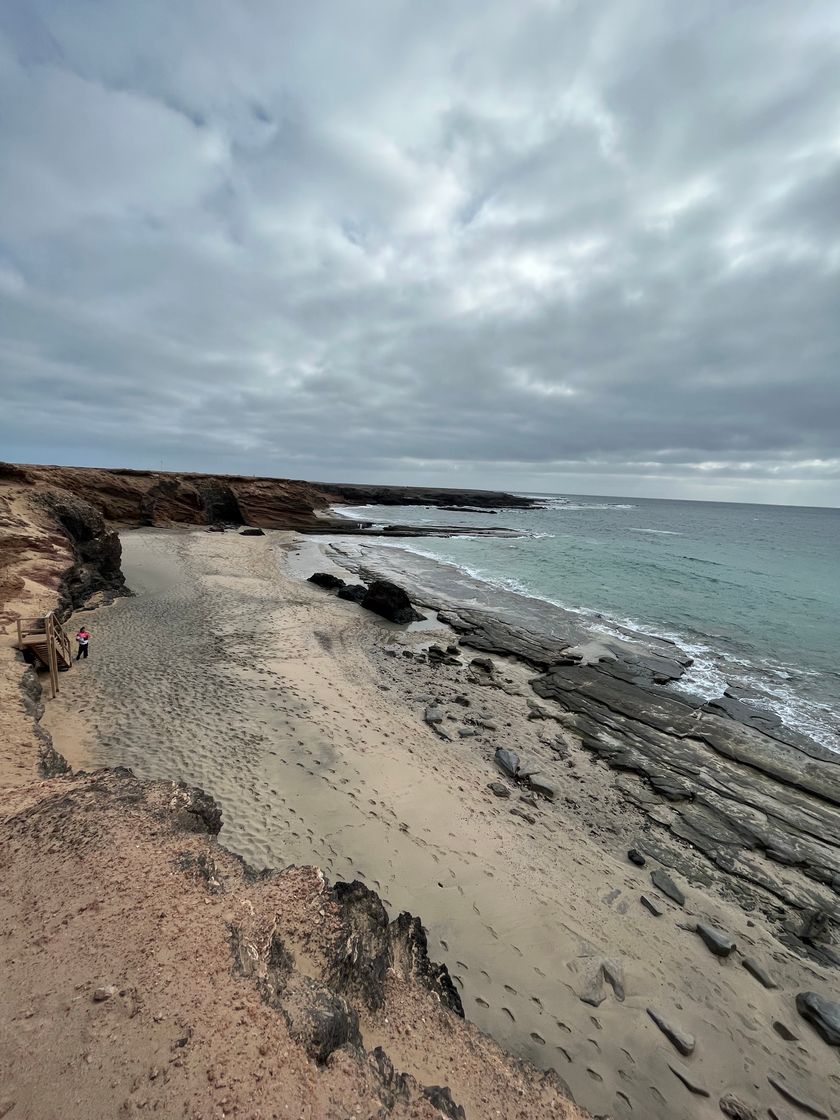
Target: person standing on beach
{"type": "Point", "coordinates": [82, 638]}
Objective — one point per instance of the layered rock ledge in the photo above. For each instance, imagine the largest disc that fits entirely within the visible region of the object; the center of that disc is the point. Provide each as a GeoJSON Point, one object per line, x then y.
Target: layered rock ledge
{"type": "Point", "coordinates": [730, 794]}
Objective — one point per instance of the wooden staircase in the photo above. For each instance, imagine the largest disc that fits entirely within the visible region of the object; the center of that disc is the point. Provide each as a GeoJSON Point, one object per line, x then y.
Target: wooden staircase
{"type": "Point", "coordinates": [44, 641]}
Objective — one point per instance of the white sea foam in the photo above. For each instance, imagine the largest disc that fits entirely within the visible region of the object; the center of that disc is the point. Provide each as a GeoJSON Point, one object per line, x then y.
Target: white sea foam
{"type": "Point", "coordinates": [775, 686]}
{"type": "Point", "coordinates": [659, 532]}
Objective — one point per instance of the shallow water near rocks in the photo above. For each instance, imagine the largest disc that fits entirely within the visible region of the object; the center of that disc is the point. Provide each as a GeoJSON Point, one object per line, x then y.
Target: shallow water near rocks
{"type": "Point", "coordinates": [751, 591]}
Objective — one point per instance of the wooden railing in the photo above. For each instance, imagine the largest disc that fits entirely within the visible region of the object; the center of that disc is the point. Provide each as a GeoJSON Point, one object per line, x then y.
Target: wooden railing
{"type": "Point", "coordinates": [46, 630]}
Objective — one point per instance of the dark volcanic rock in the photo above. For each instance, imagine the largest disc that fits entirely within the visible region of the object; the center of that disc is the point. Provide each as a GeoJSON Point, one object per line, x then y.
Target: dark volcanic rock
{"type": "Point", "coordinates": [327, 580]}
{"type": "Point", "coordinates": [390, 601]}
{"type": "Point", "coordinates": [352, 592]}
{"type": "Point", "coordinates": [718, 942]}
{"type": "Point", "coordinates": [663, 882]}
{"type": "Point", "coordinates": [97, 550]}
{"type": "Point", "coordinates": [441, 1099]}
{"type": "Point", "coordinates": [507, 760]}
{"type": "Point", "coordinates": [319, 1018]}
{"type": "Point", "coordinates": [652, 905]}
{"type": "Point", "coordinates": [498, 789]}
{"type": "Point", "coordinates": [822, 1014]}
{"type": "Point", "coordinates": [635, 856]}
{"type": "Point", "coordinates": [252, 532]}
{"type": "Point", "coordinates": [761, 974]}
{"type": "Point", "coordinates": [682, 1041]}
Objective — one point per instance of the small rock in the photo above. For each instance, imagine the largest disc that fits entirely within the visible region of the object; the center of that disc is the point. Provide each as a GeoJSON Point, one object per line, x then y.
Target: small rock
{"type": "Point", "coordinates": [483, 663]}
{"type": "Point", "coordinates": [542, 785]}
{"type": "Point", "coordinates": [517, 812]}
{"type": "Point", "coordinates": [537, 711]}
{"type": "Point", "coordinates": [528, 766]}
{"type": "Point", "coordinates": [593, 993]}
{"type": "Point", "coordinates": [822, 1014]}
{"type": "Point", "coordinates": [101, 994]}
{"type": "Point", "coordinates": [761, 974]}
{"type": "Point", "coordinates": [687, 1079]}
{"type": "Point", "coordinates": [529, 799]}
{"type": "Point", "coordinates": [251, 532]}
{"type": "Point", "coordinates": [783, 1031]}
{"type": "Point", "coordinates": [467, 732]}
{"type": "Point", "coordinates": [736, 1109]}
{"type": "Point", "coordinates": [326, 580]}
{"type": "Point", "coordinates": [663, 882]}
{"type": "Point", "coordinates": [815, 926]}
{"type": "Point", "coordinates": [507, 760]}
{"type": "Point", "coordinates": [652, 905]}
{"type": "Point", "coordinates": [498, 789]}
{"type": "Point", "coordinates": [433, 714]}
{"type": "Point", "coordinates": [779, 1084]}
{"type": "Point", "coordinates": [614, 975]}
{"type": "Point", "coordinates": [635, 856]}
{"type": "Point", "coordinates": [718, 942]}
{"type": "Point", "coordinates": [464, 701]}
{"type": "Point", "coordinates": [682, 1041]}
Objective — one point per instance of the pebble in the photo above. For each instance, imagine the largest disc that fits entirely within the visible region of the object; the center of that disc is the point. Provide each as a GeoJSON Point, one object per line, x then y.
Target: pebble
{"type": "Point", "coordinates": [783, 1031]}
{"type": "Point", "coordinates": [433, 714]}
{"type": "Point", "coordinates": [778, 1083]}
{"type": "Point", "coordinates": [635, 856]}
{"type": "Point", "coordinates": [517, 812]}
{"type": "Point", "coordinates": [467, 732]}
{"type": "Point", "coordinates": [683, 1074]}
{"type": "Point", "coordinates": [718, 942]}
{"type": "Point", "coordinates": [652, 905]}
{"type": "Point", "coordinates": [499, 789]}
{"type": "Point", "coordinates": [682, 1041]}
{"type": "Point", "coordinates": [761, 974]}
{"type": "Point", "coordinates": [663, 882]}
{"type": "Point", "coordinates": [101, 994]}
{"type": "Point", "coordinates": [731, 1106]}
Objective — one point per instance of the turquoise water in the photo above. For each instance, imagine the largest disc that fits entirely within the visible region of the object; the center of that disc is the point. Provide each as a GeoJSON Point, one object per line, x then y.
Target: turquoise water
{"type": "Point", "coordinates": [752, 591]}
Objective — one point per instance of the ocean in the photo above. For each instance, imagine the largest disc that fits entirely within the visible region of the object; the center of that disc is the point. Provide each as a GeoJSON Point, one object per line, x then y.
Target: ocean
{"type": "Point", "coordinates": [752, 592]}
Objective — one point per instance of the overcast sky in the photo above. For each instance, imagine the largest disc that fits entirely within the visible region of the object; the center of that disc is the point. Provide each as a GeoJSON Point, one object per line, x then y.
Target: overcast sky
{"type": "Point", "coordinates": [575, 247]}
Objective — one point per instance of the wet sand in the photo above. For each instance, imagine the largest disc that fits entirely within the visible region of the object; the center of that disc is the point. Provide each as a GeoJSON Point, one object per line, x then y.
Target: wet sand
{"type": "Point", "coordinates": [288, 705]}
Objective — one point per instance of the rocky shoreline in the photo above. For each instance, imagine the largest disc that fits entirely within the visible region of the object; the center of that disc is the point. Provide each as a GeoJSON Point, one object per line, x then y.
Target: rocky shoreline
{"type": "Point", "coordinates": [720, 780]}
{"type": "Point", "coordinates": [717, 808]}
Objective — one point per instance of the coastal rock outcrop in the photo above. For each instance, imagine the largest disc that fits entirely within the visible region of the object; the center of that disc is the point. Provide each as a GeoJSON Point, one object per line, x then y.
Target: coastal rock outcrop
{"type": "Point", "coordinates": [326, 580]}
{"type": "Point", "coordinates": [390, 601]}
{"type": "Point", "coordinates": [97, 549]}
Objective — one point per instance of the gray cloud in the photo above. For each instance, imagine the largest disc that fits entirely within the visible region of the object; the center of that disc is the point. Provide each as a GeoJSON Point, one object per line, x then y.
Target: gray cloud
{"type": "Point", "coordinates": [540, 245]}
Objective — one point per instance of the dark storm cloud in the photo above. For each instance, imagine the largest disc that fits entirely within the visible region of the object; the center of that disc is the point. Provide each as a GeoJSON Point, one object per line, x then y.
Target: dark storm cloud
{"type": "Point", "coordinates": [539, 245]}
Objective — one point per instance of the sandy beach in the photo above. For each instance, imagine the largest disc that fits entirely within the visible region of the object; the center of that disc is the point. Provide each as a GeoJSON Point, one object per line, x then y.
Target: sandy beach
{"type": "Point", "coordinates": [304, 715]}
